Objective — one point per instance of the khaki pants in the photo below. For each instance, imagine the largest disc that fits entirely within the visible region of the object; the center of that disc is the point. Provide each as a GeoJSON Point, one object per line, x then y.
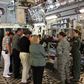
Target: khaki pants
{"type": "Point", "coordinates": [25, 61]}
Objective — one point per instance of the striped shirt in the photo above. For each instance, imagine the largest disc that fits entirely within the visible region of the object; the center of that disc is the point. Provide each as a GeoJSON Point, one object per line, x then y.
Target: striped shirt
{"type": "Point", "coordinates": [5, 41]}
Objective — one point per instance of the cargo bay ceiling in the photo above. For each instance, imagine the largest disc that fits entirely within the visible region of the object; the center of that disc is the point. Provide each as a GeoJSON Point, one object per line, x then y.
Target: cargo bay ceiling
{"type": "Point", "coordinates": [35, 2]}
{"type": "Point", "coordinates": [24, 2]}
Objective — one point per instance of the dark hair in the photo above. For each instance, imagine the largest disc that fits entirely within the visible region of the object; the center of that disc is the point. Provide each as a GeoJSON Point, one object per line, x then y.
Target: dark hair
{"type": "Point", "coordinates": [19, 29]}
{"type": "Point", "coordinates": [11, 33]}
{"type": "Point", "coordinates": [62, 34]}
{"type": "Point", "coordinates": [77, 31]}
{"type": "Point", "coordinates": [39, 35]}
{"type": "Point", "coordinates": [26, 31]}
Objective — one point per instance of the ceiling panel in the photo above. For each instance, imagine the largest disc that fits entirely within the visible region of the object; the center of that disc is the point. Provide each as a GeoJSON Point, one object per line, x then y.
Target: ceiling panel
{"type": "Point", "coordinates": [5, 0]}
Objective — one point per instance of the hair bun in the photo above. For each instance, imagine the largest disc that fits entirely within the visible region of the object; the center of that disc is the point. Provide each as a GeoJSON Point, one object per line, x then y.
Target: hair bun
{"type": "Point", "coordinates": [62, 34]}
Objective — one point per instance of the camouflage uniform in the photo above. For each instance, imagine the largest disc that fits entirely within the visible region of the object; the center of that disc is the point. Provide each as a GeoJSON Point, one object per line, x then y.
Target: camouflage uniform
{"type": "Point", "coordinates": [63, 59]}
{"type": "Point", "coordinates": [76, 58]}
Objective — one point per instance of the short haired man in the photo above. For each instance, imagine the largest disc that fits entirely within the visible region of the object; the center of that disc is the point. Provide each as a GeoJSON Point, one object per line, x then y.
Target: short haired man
{"type": "Point", "coordinates": [24, 56]}
{"type": "Point", "coordinates": [16, 52]}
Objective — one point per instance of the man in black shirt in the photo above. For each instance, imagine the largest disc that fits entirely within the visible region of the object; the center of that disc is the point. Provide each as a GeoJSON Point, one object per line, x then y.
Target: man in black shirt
{"type": "Point", "coordinates": [24, 56]}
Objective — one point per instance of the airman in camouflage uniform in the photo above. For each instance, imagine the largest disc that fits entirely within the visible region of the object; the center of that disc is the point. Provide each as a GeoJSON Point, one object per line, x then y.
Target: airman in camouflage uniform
{"type": "Point", "coordinates": [63, 58]}
{"type": "Point", "coordinates": [75, 51]}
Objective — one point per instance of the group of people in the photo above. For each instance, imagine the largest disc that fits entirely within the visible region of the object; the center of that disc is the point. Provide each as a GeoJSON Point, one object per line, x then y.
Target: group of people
{"type": "Point", "coordinates": [25, 49]}
{"type": "Point", "coordinates": [66, 50]}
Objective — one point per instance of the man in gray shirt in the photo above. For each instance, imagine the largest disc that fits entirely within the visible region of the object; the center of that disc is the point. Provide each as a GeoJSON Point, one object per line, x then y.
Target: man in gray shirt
{"type": "Point", "coordinates": [16, 52]}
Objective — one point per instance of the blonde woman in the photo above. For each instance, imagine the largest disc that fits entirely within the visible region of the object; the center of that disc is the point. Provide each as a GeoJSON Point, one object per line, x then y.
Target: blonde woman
{"type": "Point", "coordinates": [37, 55]}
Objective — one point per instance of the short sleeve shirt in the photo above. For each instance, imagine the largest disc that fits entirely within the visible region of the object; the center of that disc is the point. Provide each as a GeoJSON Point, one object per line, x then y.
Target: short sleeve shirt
{"type": "Point", "coordinates": [6, 40]}
{"type": "Point", "coordinates": [15, 42]}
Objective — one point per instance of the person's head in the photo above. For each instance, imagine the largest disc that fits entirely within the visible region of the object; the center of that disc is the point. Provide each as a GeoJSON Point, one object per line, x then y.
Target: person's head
{"type": "Point", "coordinates": [76, 33]}
{"type": "Point", "coordinates": [39, 36]}
{"type": "Point", "coordinates": [19, 31]}
{"type": "Point", "coordinates": [61, 35]}
{"type": "Point", "coordinates": [27, 33]}
{"type": "Point", "coordinates": [7, 33]}
{"type": "Point", "coordinates": [11, 34]}
{"type": "Point", "coordinates": [35, 39]}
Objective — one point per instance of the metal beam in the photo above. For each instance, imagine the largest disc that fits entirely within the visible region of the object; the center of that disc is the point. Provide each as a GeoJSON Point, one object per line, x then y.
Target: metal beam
{"type": "Point", "coordinates": [66, 8]}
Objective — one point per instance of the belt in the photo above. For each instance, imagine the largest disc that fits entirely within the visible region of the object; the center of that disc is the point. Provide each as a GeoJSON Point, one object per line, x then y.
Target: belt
{"type": "Point", "coordinates": [4, 50]}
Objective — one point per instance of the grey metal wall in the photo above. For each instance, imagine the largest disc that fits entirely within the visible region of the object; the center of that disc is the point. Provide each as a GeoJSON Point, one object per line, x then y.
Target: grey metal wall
{"type": "Point", "coordinates": [9, 15]}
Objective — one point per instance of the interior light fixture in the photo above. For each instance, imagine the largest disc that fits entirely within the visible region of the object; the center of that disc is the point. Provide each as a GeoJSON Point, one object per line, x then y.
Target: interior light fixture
{"type": "Point", "coordinates": [51, 6]}
{"type": "Point", "coordinates": [51, 17]}
{"type": "Point", "coordinates": [57, 4]}
{"type": "Point", "coordinates": [81, 10]}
